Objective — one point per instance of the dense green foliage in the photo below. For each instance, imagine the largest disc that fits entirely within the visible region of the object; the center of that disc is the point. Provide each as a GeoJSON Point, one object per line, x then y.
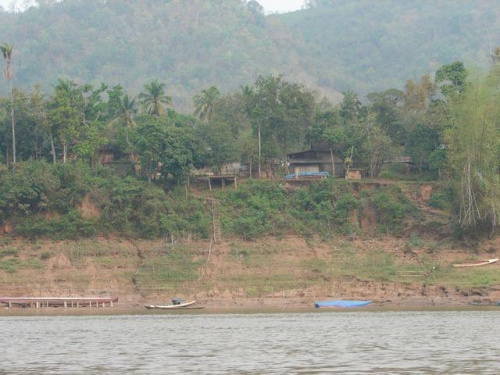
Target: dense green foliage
{"type": "Point", "coordinates": [41, 199]}
{"type": "Point", "coordinates": [448, 128]}
{"type": "Point", "coordinates": [44, 200]}
{"type": "Point", "coordinates": [325, 208]}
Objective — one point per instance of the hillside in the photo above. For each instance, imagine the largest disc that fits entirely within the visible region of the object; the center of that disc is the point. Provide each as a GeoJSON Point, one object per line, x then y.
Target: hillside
{"type": "Point", "coordinates": [284, 273]}
{"type": "Point", "coordinates": [282, 245]}
{"type": "Point", "coordinates": [372, 45]}
{"type": "Point", "coordinates": [360, 45]}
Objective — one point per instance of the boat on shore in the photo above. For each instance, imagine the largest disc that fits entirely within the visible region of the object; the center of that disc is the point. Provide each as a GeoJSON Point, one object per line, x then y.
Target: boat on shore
{"type": "Point", "coordinates": [341, 304]}
{"type": "Point", "coordinates": [484, 303]}
{"type": "Point", "coordinates": [177, 303]}
{"type": "Point", "coordinates": [476, 263]}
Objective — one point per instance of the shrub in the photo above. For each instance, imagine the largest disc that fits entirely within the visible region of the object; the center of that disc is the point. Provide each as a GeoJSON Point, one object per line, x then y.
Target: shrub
{"type": "Point", "coordinates": [392, 208]}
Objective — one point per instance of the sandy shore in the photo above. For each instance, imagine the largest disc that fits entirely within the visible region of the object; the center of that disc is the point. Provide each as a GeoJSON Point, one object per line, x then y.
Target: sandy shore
{"type": "Point", "coordinates": [250, 306]}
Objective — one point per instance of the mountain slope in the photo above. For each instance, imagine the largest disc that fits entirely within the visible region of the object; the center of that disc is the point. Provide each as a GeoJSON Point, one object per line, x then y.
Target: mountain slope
{"type": "Point", "coordinates": [191, 44]}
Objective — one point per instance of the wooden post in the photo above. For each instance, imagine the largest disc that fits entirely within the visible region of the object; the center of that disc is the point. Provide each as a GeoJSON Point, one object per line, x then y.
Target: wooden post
{"type": "Point", "coordinates": [235, 183]}
{"type": "Point", "coordinates": [111, 303]}
{"type": "Point", "coordinates": [209, 184]}
{"type": "Point", "coordinates": [65, 304]}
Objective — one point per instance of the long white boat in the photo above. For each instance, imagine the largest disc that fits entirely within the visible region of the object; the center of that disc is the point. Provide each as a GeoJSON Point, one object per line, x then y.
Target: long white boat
{"type": "Point", "coordinates": [476, 263]}
{"type": "Point", "coordinates": [173, 306]}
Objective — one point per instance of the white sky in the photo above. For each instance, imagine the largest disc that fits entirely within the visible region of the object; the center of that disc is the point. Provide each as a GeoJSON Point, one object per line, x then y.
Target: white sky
{"type": "Point", "coordinates": [270, 6]}
{"type": "Point", "coordinates": [281, 6]}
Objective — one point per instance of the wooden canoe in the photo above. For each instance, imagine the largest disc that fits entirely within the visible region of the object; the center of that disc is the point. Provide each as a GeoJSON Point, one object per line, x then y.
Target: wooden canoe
{"type": "Point", "coordinates": [169, 307]}
{"type": "Point", "coordinates": [477, 263]}
{"type": "Point", "coordinates": [484, 303]}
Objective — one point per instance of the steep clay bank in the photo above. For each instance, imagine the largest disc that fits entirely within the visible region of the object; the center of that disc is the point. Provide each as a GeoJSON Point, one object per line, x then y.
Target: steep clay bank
{"type": "Point", "coordinates": [271, 273]}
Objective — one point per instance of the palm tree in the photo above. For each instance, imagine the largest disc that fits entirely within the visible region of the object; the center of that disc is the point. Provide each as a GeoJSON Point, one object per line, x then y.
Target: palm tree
{"type": "Point", "coordinates": [68, 87]}
{"type": "Point", "coordinates": [205, 103]}
{"type": "Point", "coordinates": [7, 55]}
{"type": "Point", "coordinates": [125, 117]}
{"type": "Point", "coordinates": [125, 112]}
{"type": "Point", "coordinates": [154, 99]}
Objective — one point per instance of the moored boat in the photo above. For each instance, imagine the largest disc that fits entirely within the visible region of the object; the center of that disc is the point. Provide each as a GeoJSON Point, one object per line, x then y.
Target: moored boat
{"type": "Point", "coordinates": [176, 304]}
{"type": "Point", "coordinates": [57, 301]}
{"type": "Point", "coordinates": [476, 263]}
{"type": "Point", "coordinates": [341, 304]}
{"type": "Point", "coordinates": [484, 303]}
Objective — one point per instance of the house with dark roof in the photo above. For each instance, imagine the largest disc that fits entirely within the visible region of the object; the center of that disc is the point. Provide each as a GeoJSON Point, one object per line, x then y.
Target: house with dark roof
{"type": "Point", "coordinates": [320, 158]}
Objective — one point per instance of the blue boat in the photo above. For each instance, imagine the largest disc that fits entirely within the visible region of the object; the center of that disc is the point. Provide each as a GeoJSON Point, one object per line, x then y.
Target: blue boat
{"type": "Point", "coordinates": [341, 303]}
{"type": "Point", "coordinates": [307, 175]}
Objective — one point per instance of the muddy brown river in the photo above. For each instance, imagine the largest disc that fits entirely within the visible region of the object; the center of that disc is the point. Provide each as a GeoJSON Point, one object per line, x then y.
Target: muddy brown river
{"type": "Point", "coordinates": [404, 342]}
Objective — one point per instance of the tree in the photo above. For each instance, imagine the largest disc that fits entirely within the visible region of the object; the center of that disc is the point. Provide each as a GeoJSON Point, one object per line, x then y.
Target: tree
{"type": "Point", "coordinates": [387, 107]}
{"type": "Point", "coordinates": [472, 145]}
{"type": "Point", "coordinates": [124, 115]}
{"type": "Point", "coordinates": [8, 73]}
{"type": "Point", "coordinates": [254, 7]}
{"type": "Point", "coordinates": [417, 95]}
{"type": "Point", "coordinates": [40, 114]}
{"type": "Point", "coordinates": [154, 99]}
{"type": "Point", "coordinates": [87, 147]}
{"type": "Point", "coordinates": [221, 146]}
{"type": "Point", "coordinates": [422, 141]}
{"type": "Point", "coordinates": [452, 78]}
{"type": "Point", "coordinates": [351, 107]}
{"type": "Point", "coordinates": [182, 152]}
{"type": "Point", "coordinates": [124, 111]}
{"type": "Point", "coordinates": [66, 113]}
{"type": "Point", "coordinates": [28, 133]}
{"type": "Point", "coordinates": [149, 139]}
{"type": "Point", "coordinates": [377, 148]}
{"type": "Point", "coordinates": [329, 128]}
{"type": "Point", "coordinates": [281, 110]}
{"type": "Point", "coordinates": [205, 103]}
{"type": "Point", "coordinates": [166, 149]}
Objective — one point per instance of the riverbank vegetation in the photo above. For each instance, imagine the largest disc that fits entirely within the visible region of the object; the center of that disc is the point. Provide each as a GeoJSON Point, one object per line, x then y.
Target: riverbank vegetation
{"type": "Point", "coordinates": [92, 160]}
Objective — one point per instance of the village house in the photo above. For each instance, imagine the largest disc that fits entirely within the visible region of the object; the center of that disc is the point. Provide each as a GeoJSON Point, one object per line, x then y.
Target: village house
{"type": "Point", "coordinates": [319, 158]}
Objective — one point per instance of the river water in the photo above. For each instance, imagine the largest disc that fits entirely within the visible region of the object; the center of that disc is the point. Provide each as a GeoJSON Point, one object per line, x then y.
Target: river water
{"type": "Point", "coordinates": [419, 342]}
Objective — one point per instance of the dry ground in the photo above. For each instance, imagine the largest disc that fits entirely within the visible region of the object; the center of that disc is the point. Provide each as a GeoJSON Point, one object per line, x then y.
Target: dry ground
{"type": "Point", "coordinates": [286, 273]}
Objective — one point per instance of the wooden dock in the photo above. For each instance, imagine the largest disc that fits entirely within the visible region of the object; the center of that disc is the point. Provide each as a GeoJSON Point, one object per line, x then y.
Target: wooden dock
{"type": "Point", "coordinates": [66, 302]}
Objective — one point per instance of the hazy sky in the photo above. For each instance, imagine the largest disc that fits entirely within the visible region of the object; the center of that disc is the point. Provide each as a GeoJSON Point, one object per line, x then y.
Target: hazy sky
{"type": "Point", "coordinates": [281, 5]}
{"type": "Point", "coordinates": [269, 5]}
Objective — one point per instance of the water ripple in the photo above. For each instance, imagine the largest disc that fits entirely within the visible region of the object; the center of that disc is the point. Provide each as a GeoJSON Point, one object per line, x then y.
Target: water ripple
{"type": "Point", "coordinates": [312, 343]}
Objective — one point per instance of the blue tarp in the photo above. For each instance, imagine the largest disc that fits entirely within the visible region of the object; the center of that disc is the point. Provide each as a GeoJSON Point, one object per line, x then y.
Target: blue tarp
{"type": "Point", "coordinates": [341, 303]}
{"type": "Point", "coordinates": [307, 174]}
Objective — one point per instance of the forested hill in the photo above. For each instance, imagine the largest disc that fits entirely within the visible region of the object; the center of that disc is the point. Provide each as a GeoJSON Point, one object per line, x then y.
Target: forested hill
{"type": "Point", "coordinates": [366, 45]}
{"type": "Point", "coordinates": [333, 46]}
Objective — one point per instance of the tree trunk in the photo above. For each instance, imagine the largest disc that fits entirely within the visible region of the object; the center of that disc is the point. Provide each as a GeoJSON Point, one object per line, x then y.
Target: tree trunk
{"type": "Point", "coordinates": [13, 123]}
{"type": "Point", "coordinates": [260, 156]}
{"type": "Point", "coordinates": [53, 148]}
{"type": "Point", "coordinates": [333, 163]}
{"type": "Point", "coordinates": [65, 153]}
